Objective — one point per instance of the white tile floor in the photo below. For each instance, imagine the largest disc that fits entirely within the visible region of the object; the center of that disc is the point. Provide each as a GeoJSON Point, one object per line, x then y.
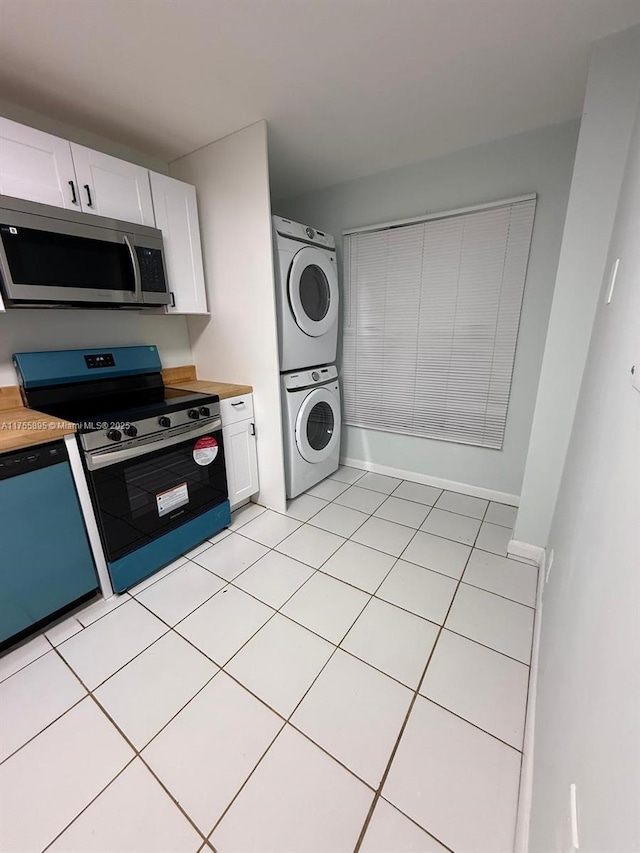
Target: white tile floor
{"type": "Point", "coordinates": [350, 676]}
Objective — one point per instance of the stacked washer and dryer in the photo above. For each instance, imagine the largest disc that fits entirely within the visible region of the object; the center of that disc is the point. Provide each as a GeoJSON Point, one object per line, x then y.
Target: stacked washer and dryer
{"type": "Point", "coordinates": [307, 302]}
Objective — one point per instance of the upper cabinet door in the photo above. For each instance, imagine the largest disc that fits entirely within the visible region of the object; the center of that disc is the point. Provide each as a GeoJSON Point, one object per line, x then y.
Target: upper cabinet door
{"type": "Point", "coordinates": [36, 166]}
{"type": "Point", "coordinates": [174, 203]}
{"type": "Point", "coordinates": [112, 187]}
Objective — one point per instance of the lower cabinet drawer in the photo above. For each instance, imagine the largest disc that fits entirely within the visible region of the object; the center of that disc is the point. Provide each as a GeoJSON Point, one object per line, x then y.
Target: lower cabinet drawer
{"type": "Point", "coordinates": [236, 409]}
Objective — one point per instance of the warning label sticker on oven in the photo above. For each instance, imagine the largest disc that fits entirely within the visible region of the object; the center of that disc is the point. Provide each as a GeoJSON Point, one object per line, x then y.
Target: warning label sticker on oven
{"type": "Point", "coordinates": [205, 450]}
{"type": "Point", "coordinates": [172, 498]}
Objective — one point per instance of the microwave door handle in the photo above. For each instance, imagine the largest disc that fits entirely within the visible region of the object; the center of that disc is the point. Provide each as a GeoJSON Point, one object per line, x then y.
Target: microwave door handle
{"type": "Point", "coordinates": [136, 268]}
{"type": "Point", "coordinates": [105, 458]}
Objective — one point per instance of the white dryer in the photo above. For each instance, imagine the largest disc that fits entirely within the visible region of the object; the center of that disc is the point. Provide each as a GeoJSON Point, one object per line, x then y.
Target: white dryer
{"type": "Point", "coordinates": [311, 425]}
{"type": "Point", "coordinates": [306, 295]}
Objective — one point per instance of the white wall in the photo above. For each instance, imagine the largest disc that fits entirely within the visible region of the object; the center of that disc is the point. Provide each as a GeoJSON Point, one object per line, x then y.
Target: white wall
{"type": "Point", "coordinates": [612, 93]}
{"type": "Point", "coordinates": [27, 329]}
{"type": "Point", "coordinates": [541, 162]}
{"type": "Point", "coordinates": [238, 343]}
{"type": "Point", "coordinates": [588, 696]}
{"type": "Point", "coordinates": [47, 124]}
{"type": "Point", "coordinates": [24, 329]}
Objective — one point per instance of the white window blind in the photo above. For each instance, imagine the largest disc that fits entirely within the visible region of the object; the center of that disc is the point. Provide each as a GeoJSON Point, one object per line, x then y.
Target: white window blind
{"type": "Point", "coordinates": [432, 310]}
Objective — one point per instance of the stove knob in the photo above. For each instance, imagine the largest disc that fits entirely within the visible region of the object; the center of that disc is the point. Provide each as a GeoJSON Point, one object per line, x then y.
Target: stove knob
{"type": "Point", "coordinates": [164, 421]}
{"type": "Point", "coordinates": [114, 434]}
{"type": "Point", "coordinates": [194, 414]}
{"type": "Point", "coordinates": [315, 376]}
{"type": "Point", "coordinates": [131, 431]}
{"type": "Point", "coordinates": [205, 411]}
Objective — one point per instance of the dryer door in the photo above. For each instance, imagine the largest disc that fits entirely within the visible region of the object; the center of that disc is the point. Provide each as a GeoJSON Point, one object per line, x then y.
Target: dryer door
{"type": "Point", "coordinates": [318, 425]}
{"type": "Point", "coordinates": [313, 291]}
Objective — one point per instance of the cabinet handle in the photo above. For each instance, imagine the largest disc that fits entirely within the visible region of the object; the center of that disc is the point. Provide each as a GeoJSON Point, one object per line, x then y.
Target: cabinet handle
{"type": "Point", "coordinates": [253, 429]}
{"type": "Point", "coordinates": [74, 197]}
{"type": "Point", "coordinates": [89, 202]}
{"type": "Point", "coordinates": [173, 298]}
{"type": "Point", "coordinates": [241, 403]}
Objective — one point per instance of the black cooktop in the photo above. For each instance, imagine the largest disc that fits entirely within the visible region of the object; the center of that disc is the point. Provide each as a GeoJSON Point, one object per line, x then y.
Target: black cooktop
{"type": "Point", "coordinates": [107, 402]}
{"type": "Point", "coordinates": [175, 400]}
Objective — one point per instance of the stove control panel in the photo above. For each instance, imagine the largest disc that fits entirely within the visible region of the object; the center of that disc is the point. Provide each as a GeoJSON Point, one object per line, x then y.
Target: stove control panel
{"type": "Point", "coordinates": [103, 359]}
{"type": "Point", "coordinates": [149, 429]}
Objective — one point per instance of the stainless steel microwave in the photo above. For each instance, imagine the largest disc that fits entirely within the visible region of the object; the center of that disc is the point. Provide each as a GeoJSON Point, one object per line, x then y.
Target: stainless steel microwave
{"type": "Point", "coordinates": [50, 256]}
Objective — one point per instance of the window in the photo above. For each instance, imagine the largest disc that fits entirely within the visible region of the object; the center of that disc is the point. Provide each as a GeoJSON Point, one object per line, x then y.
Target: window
{"type": "Point", "coordinates": [432, 310]}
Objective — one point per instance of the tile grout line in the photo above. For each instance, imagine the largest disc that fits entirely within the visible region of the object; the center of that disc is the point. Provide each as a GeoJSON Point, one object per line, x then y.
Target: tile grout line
{"type": "Point", "coordinates": [137, 755]}
{"type": "Point", "coordinates": [414, 699]}
{"type": "Point", "coordinates": [288, 719]}
{"type": "Point", "coordinates": [277, 610]}
{"type": "Point", "coordinates": [415, 823]}
{"type": "Point", "coordinates": [536, 617]}
{"type": "Point", "coordinates": [337, 646]}
{"type": "Point", "coordinates": [231, 529]}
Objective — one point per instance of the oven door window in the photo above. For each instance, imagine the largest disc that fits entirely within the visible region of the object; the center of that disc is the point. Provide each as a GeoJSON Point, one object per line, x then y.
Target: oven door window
{"type": "Point", "coordinates": [142, 498]}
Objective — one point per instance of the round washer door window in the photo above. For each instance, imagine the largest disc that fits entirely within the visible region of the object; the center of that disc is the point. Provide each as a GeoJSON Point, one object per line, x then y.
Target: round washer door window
{"type": "Point", "coordinates": [318, 425]}
{"type": "Point", "coordinates": [313, 291]}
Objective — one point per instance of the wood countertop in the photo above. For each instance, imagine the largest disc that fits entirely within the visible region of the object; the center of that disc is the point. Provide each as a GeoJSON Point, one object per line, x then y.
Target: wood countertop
{"type": "Point", "coordinates": [185, 379]}
{"type": "Point", "coordinates": [223, 389]}
{"type": "Point", "coordinates": [21, 427]}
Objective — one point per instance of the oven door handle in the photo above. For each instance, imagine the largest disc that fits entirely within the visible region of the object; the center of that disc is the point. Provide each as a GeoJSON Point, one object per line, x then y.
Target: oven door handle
{"type": "Point", "coordinates": [104, 458]}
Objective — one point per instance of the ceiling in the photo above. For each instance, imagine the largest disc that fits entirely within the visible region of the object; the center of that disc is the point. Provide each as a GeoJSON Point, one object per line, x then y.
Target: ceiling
{"type": "Point", "coordinates": [348, 87]}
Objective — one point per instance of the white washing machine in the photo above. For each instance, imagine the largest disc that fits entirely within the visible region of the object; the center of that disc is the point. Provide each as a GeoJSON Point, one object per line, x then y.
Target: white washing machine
{"type": "Point", "coordinates": [306, 278]}
{"type": "Point", "coordinates": [311, 424]}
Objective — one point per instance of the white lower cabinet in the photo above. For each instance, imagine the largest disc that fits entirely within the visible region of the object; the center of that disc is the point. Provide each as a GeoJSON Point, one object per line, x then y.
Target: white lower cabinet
{"type": "Point", "coordinates": [239, 438]}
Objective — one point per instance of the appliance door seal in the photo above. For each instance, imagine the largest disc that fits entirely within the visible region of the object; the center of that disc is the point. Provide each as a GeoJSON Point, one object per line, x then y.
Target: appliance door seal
{"type": "Point", "coordinates": [313, 291]}
{"type": "Point", "coordinates": [317, 428]}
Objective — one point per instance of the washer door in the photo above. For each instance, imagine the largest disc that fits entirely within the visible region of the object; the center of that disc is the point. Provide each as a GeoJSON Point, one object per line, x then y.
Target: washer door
{"type": "Point", "coordinates": [317, 425]}
{"type": "Point", "coordinates": [313, 291]}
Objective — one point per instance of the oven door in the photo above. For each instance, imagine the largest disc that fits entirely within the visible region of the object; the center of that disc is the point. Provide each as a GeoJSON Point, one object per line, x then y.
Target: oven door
{"type": "Point", "coordinates": [143, 491]}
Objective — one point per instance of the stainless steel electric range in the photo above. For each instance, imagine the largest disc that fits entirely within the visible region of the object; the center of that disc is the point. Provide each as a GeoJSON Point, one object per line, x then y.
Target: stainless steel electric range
{"type": "Point", "coordinates": [153, 456]}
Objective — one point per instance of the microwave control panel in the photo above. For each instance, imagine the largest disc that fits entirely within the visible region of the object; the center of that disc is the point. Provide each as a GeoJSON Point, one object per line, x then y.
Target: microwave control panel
{"type": "Point", "coordinates": [151, 269]}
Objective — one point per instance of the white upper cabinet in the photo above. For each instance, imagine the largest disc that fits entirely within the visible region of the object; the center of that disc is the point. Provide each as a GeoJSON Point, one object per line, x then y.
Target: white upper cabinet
{"type": "Point", "coordinates": [40, 167]}
{"type": "Point", "coordinates": [36, 166]}
{"type": "Point", "coordinates": [176, 213]}
{"type": "Point", "coordinates": [112, 187]}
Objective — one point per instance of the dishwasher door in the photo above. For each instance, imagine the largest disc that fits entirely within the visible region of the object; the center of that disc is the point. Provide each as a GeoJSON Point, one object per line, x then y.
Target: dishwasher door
{"type": "Point", "coordinates": [46, 566]}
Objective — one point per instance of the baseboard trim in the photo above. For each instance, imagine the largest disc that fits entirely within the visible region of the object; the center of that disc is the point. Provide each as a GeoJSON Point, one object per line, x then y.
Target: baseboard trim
{"type": "Point", "coordinates": [526, 553]}
{"type": "Point", "coordinates": [525, 795]}
{"type": "Point", "coordinates": [438, 482]}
